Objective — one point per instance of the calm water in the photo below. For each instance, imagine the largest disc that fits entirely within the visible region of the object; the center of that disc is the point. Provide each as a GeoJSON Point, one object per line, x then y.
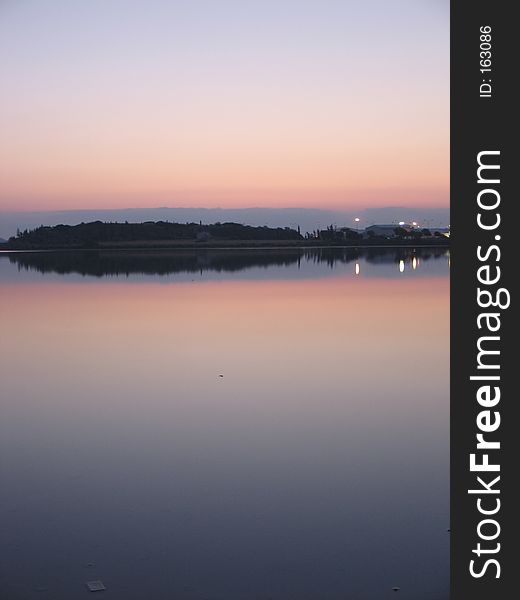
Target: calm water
{"type": "Point", "coordinates": [224, 425]}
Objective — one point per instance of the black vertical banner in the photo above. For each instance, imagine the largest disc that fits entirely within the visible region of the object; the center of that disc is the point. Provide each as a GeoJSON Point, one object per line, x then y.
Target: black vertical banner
{"type": "Point", "coordinates": [484, 115]}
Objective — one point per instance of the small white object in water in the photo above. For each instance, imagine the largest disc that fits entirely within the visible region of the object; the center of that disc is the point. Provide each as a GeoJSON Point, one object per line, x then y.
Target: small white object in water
{"type": "Point", "coordinates": [96, 586]}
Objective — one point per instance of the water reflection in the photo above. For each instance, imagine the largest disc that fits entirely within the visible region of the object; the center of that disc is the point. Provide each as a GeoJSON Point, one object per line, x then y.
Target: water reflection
{"type": "Point", "coordinates": [270, 426]}
{"type": "Point", "coordinates": [157, 262]}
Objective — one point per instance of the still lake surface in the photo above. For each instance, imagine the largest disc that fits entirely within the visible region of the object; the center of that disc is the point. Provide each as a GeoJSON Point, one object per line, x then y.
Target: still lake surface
{"type": "Point", "coordinates": [225, 425]}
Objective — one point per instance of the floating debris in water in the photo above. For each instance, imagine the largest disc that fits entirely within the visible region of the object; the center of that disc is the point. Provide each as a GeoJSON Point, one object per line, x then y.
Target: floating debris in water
{"type": "Point", "coordinates": [95, 586]}
{"type": "Point", "coordinates": [221, 375]}
{"type": "Point", "coordinates": [396, 589]}
{"type": "Point", "coordinates": [448, 530]}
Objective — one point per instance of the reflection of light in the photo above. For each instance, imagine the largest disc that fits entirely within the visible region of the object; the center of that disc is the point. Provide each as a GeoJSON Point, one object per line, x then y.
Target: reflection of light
{"type": "Point", "coordinates": [357, 219]}
{"type": "Point", "coordinates": [449, 262]}
{"type": "Point", "coordinates": [357, 270]}
{"type": "Point", "coordinates": [414, 263]}
{"type": "Point", "coordinates": [401, 266]}
{"type": "Point", "coordinates": [414, 224]}
{"type": "Point", "coordinates": [401, 222]}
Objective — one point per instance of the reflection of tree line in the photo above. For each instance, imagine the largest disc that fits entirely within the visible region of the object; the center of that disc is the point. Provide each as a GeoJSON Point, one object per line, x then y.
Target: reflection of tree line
{"type": "Point", "coordinates": [102, 263]}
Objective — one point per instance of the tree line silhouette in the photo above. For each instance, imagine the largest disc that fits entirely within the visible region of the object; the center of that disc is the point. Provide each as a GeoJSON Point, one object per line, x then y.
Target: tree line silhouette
{"type": "Point", "coordinates": [97, 233]}
{"type": "Point", "coordinates": [100, 234]}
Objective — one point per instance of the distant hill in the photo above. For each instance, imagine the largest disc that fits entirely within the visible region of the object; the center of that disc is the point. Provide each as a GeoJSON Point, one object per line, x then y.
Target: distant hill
{"type": "Point", "coordinates": [98, 234]}
{"type": "Point", "coordinates": [163, 234]}
{"type": "Point", "coordinates": [309, 219]}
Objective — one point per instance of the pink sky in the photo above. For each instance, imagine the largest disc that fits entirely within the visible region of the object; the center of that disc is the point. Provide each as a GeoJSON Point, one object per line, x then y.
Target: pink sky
{"type": "Point", "coordinates": [341, 108]}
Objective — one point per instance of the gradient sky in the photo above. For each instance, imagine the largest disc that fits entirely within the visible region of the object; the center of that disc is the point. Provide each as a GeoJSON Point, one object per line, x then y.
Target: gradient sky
{"type": "Point", "coordinates": [130, 103]}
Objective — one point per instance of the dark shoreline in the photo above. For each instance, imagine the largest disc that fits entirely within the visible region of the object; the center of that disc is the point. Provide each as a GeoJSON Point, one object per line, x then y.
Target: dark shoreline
{"type": "Point", "coordinates": [231, 245]}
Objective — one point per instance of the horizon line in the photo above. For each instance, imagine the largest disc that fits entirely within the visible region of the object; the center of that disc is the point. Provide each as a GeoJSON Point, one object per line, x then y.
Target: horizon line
{"type": "Point", "coordinates": [302, 208]}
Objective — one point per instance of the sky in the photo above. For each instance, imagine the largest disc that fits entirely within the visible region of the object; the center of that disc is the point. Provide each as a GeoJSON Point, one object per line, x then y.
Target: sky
{"type": "Point", "coordinates": [336, 104]}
